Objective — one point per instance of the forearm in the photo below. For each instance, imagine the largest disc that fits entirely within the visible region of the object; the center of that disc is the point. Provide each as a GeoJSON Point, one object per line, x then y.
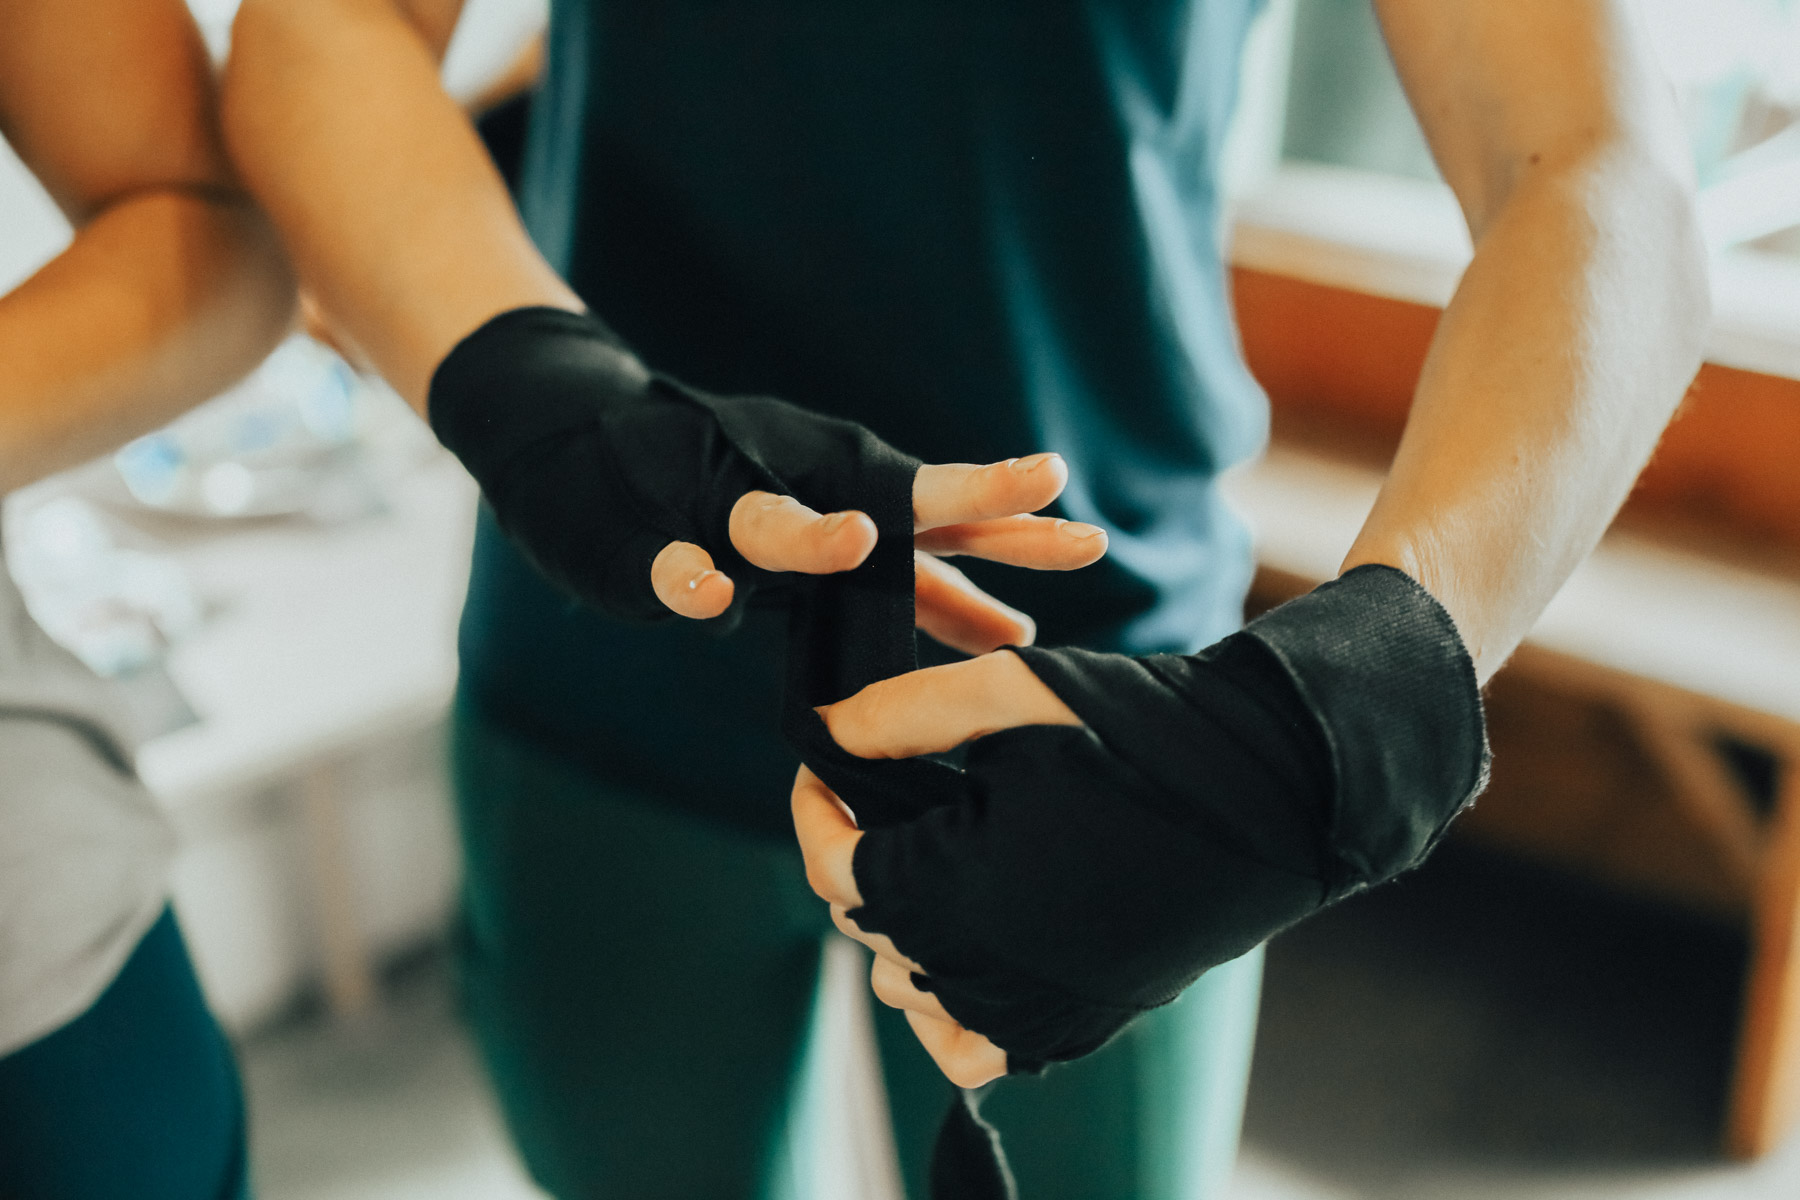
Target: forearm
{"type": "Point", "coordinates": [1568, 345]}
{"type": "Point", "coordinates": [384, 197]}
{"type": "Point", "coordinates": [162, 299]}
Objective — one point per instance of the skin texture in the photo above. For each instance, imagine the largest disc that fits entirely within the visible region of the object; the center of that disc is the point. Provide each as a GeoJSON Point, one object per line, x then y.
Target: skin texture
{"type": "Point", "coordinates": [406, 238]}
{"type": "Point", "coordinates": [173, 285]}
{"type": "Point", "coordinates": [1570, 341]}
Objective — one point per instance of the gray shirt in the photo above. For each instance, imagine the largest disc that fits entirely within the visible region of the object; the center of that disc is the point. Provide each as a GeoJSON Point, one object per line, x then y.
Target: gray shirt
{"type": "Point", "coordinates": [84, 850]}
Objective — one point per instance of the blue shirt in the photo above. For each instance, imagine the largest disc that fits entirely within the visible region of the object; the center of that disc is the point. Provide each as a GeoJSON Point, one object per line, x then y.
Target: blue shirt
{"type": "Point", "coordinates": [981, 229]}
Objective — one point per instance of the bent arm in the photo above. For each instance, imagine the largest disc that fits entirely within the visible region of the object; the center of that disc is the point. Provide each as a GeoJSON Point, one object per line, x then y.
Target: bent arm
{"type": "Point", "coordinates": [395, 217]}
{"type": "Point", "coordinates": [173, 284]}
{"type": "Point", "coordinates": [1577, 327]}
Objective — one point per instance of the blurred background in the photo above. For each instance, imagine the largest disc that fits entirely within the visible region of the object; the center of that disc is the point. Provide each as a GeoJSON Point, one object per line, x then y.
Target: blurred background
{"type": "Point", "coordinates": [1594, 990]}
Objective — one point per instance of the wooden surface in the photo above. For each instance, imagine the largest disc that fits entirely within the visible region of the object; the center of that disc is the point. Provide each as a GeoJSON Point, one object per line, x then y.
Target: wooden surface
{"type": "Point", "coordinates": [1765, 1095]}
{"type": "Point", "coordinates": [1615, 729]}
{"type": "Point", "coordinates": [1643, 609]}
{"type": "Point", "coordinates": [1340, 366]}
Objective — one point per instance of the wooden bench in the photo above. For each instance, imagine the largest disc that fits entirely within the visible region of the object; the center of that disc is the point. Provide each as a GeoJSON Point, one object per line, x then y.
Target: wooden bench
{"type": "Point", "coordinates": [1647, 732]}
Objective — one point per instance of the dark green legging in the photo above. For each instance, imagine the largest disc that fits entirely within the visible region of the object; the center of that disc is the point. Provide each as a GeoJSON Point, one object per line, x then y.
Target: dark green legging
{"type": "Point", "coordinates": [136, 1099]}
{"type": "Point", "coordinates": [642, 982]}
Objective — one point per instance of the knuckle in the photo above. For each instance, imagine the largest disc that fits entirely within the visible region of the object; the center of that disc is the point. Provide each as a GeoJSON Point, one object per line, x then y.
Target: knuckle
{"type": "Point", "coordinates": [747, 513]}
{"type": "Point", "coordinates": [881, 982]}
{"type": "Point", "coordinates": [846, 724]}
{"type": "Point", "coordinates": [877, 707]}
{"type": "Point", "coordinates": [963, 1072]}
{"type": "Point", "coordinates": [995, 488]}
{"type": "Point", "coordinates": [818, 878]}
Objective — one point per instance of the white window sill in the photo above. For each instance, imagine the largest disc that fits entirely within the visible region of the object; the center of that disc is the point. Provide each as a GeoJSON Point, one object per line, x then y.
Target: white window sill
{"type": "Point", "coordinates": [1405, 239]}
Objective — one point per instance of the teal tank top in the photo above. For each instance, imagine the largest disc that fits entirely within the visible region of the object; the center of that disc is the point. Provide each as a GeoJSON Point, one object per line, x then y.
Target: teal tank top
{"type": "Point", "coordinates": [983, 228]}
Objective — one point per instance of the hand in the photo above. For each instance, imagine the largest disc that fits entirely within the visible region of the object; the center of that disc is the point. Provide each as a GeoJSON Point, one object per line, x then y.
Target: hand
{"type": "Point", "coordinates": [920, 713]}
{"type": "Point", "coordinates": [645, 497]}
{"type": "Point", "coordinates": [1124, 824]}
{"type": "Point", "coordinates": [957, 509]}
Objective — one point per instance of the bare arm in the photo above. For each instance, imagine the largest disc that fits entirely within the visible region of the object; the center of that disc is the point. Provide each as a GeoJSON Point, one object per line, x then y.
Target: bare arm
{"type": "Point", "coordinates": [395, 217]}
{"type": "Point", "coordinates": [1577, 326]}
{"type": "Point", "coordinates": [173, 285]}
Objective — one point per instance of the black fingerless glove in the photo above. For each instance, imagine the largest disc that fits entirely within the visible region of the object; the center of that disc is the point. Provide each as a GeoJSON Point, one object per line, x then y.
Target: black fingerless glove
{"type": "Point", "coordinates": [1068, 879]}
{"type": "Point", "coordinates": [593, 464]}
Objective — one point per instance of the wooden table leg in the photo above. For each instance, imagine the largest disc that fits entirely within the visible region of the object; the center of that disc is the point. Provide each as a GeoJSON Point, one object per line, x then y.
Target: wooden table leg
{"type": "Point", "coordinates": [1765, 1095]}
{"type": "Point", "coordinates": [349, 977]}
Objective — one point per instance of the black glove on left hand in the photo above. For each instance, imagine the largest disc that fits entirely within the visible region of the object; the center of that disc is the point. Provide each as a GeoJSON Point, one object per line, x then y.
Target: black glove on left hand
{"type": "Point", "coordinates": [1068, 878]}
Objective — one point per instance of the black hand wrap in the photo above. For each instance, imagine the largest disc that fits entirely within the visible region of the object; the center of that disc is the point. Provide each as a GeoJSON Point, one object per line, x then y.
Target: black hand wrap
{"type": "Point", "coordinates": [1068, 879]}
{"type": "Point", "coordinates": [593, 464]}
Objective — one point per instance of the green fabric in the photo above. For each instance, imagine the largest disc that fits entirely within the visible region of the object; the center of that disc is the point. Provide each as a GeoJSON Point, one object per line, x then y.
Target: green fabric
{"type": "Point", "coordinates": [136, 1099]}
{"type": "Point", "coordinates": [642, 982]}
{"type": "Point", "coordinates": [983, 229]}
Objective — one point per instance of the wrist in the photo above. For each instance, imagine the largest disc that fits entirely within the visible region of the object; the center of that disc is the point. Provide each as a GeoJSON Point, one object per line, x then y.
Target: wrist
{"type": "Point", "coordinates": [524, 375]}
{"type": "Point", "coordinates": [1381, 666]}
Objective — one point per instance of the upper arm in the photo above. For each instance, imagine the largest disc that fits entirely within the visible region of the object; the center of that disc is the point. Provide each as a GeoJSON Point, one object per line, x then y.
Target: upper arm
{"type": "Point", "coordinates": [1503, 90]}
{"type": "Point", "coordinates": [103, 98]}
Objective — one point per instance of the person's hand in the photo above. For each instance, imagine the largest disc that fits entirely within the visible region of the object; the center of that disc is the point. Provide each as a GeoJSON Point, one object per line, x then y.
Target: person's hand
{"type": "Point", "coordinates": [646, 497]}
{"type": "Point", "coordinates": [924, 712]}
{"type": "Point", "coordinates": [1122, 824]}
{"type": "Point", "coordinates": [979, 511]}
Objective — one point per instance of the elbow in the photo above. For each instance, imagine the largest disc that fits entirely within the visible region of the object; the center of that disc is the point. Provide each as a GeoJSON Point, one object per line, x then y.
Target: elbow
{"type": "Point", "coordinates": [267, 295]}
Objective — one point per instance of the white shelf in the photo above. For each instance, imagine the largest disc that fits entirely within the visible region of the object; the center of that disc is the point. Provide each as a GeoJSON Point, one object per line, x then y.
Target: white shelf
{"type": "Point", "coordinates": [329, 638]}
{"type": "Point", "coordinates": [1634, 606]}
{"type": "Point", "coordinates": [1405, 239]}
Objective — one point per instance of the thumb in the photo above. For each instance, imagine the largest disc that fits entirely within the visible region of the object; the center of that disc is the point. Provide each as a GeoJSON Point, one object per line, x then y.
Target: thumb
{"type": "Point", "coordinates": [940, 708]}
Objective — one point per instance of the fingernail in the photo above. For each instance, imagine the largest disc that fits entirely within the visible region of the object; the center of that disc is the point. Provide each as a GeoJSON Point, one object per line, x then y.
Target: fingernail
{"type": "Point", "coordinates": [1032, 463]}
{"type": "Point", "coordinates": [1081, 529]}
{"type": "Point", "coordinates": [835, 522]}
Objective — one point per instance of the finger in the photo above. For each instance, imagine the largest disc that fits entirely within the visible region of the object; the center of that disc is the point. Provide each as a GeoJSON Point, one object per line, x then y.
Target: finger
{"type": "Point", "coordinates": [893, 986]}
{"type": "Point", "coordinates": [1041, 543]}
{"type": "Point", "coordinates": [828, 838]}
{"type": "Point", "coordinates": [683, 578]}
{"type": "Point", "coordinates": [938, 708]}
{"type": "Point", "coordinates": [957, 613]}
{"type": "Point", "coordinates": [965, 1057]}
{"type": "Point", "coordinates": [952, 493]}
{"type": "Point", "coordinates": [880, 943]}
{"type": "Point", "coordinates": [778, 533]}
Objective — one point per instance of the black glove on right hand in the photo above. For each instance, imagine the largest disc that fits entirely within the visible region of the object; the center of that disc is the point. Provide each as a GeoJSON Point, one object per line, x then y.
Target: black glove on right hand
{"type": "Point", "coordinates": [593, 464]}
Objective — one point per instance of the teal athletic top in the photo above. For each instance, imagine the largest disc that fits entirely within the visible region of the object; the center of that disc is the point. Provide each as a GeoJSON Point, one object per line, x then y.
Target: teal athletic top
{"type": "Point", "coordinates": [983, 228]}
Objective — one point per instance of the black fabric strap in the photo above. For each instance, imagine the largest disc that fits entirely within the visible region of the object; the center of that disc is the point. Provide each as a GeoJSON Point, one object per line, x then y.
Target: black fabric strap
{"type": "Point", "coordinates": [846, 632]}
{"type": "Point", "coordinates": [967, 1162]}
{"type": "Point", "coordinates": [1379, 664]}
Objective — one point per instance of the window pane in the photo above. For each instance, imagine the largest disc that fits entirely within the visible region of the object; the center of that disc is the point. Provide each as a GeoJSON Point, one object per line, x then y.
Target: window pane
{"type": "Point", "coordinates": [1345, 106]}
